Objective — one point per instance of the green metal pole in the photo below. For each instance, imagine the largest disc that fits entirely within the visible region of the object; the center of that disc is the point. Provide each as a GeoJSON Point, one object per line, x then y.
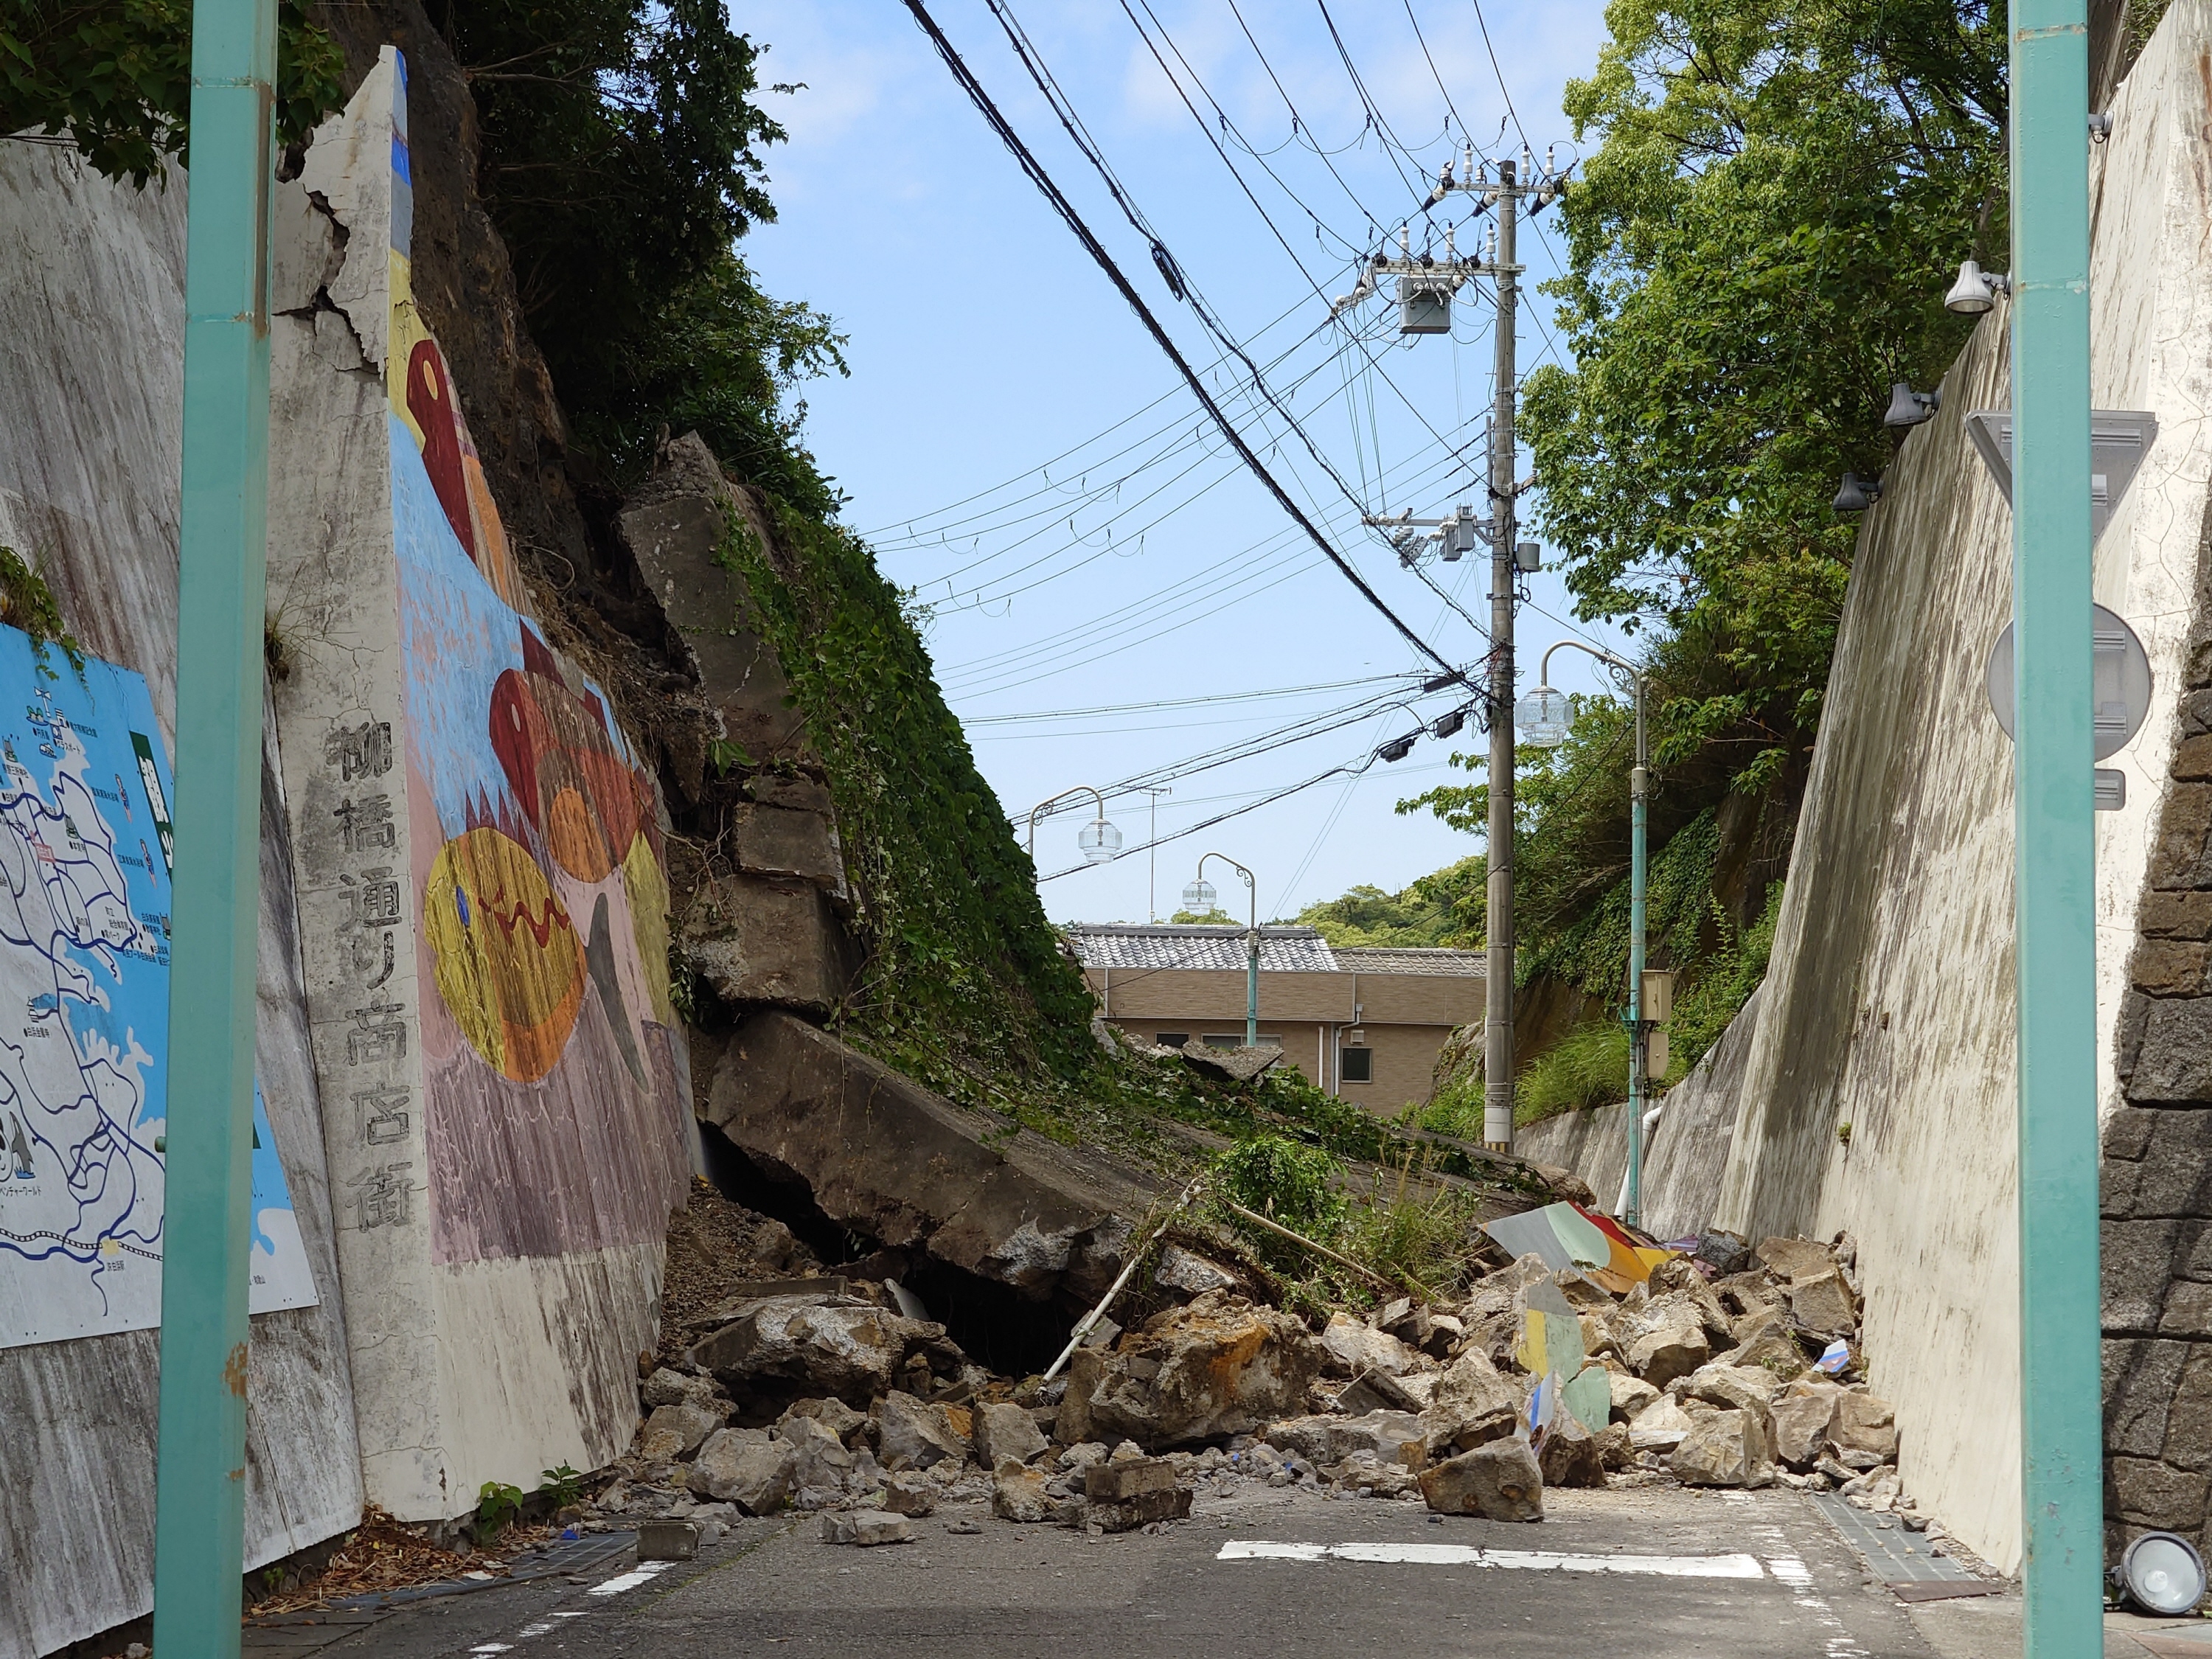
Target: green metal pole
{"type": "Point", "coordinates": [1252, 974]}
{"type": "Point", "coordinates": [199, 1528]}
{"type": "Point", "coordinates": [1639, 786]}
{"type": "Point", "coordinates": [2061, 1417]}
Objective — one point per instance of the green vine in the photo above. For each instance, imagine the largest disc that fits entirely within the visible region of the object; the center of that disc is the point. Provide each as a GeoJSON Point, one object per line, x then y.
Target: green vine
{"type": "Point", "coordinates": [26, 602]}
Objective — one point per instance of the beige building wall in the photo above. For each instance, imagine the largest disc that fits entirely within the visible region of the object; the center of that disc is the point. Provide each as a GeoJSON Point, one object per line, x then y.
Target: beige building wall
{"type": "Point", "coordinates": [1403, 1018]}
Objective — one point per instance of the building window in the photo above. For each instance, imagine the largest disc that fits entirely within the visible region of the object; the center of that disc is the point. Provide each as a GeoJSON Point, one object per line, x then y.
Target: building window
{"type": "Point", "coordinates": [1172, 1039]}
{"type": "Point", "coordinates": [1355, 1065]}
{"type": "Point", "coordinates": [1236, 1040]}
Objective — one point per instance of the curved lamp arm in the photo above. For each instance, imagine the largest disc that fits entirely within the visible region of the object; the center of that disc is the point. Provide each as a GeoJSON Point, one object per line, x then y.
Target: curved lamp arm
{"type": "Point", "coordinates": [1251, 883]}
{"type": "Point", "coordinates": [1038, 810]}
{"type": "Point", "coordinates": [1636, 674]}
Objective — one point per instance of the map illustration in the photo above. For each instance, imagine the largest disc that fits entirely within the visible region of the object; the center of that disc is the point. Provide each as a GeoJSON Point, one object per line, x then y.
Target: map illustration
{"type": "Point", "coordinates": [85, 855]}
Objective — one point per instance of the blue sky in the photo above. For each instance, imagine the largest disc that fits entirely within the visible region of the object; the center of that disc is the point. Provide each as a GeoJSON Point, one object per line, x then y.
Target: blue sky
{"type": "Point", "coordinates": [1021, 455]}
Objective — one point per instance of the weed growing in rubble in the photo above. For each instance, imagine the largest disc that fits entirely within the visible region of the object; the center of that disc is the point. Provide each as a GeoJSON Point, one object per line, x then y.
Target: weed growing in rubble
{"type": "Point", "coordinates": [498, 1507]}
{"type": "Point", "coordinates": [1287, 1182]}
{"type": "Point", "coordinates": [1422, 1238]}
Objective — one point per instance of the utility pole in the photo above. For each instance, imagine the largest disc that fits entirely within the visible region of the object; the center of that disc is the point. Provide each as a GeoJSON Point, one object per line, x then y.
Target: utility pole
{"type": "Point", "coordinates": [1497, 912]}
{"type": "Point", "coordinates": [1426, 285]}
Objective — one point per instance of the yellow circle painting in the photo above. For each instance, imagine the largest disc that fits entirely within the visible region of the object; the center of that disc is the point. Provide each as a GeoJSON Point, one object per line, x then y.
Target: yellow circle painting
{"type": "Point", "coordinates": [506, 957]}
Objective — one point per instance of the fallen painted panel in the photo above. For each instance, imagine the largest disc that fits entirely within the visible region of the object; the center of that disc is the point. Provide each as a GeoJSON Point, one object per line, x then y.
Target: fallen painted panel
{"type": "Point", "coordinates": [1568, 1235]}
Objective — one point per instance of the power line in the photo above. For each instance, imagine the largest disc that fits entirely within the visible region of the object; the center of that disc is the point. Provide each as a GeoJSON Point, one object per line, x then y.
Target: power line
{"type": "Point", "coordinates": [1061, 205]}
{"type": "Point", "coordinates": [1183, 702]}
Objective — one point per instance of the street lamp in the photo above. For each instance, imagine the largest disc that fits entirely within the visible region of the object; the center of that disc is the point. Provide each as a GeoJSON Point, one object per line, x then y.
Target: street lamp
{"type": "Point", "coordinates": [1098, 840]}
{"type": "Point", "coordinates": [1541, 716]}
{"type": "Point", "coordinates": [1975, 292]}
{"type": "Point", "coordinates": [1201, 893]}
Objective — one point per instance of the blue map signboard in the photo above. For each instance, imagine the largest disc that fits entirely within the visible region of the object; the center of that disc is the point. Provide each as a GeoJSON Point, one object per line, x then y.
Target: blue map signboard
{"type": "Point", "coordinates": [85, 867]}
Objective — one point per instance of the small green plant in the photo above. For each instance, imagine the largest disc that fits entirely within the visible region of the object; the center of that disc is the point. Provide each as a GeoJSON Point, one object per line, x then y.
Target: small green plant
{"type": "Point", "coordinates": [1284, 1181]}
{"type": "Point", "coordinates": [564, 1486]}
{"type": "Point", "coordinates": [682, 982]}
{"type": "Point", "coordinates": [726, 757]}
{"type": "Point", "coordinates": [26, 602]}
{"type": "Point", "coordinates": [498, 1507]}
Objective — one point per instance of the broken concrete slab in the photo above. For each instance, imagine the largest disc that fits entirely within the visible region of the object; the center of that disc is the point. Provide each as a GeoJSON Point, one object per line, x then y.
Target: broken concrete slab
{"type": "Point", "coordinates": [1229, 1064]}
{"type": "Point", "coordinates": [1217, 1366]}
{"type": "Point", "coordinates": [756, 939]}
{"type": "Point", "coordinates": [1863, 1423]}
{"type": "Point", "coordinates": [1661, 1426]}
{"type": "Point", "coordinates": [1631, 1395]}
{"type": "Point", "coordinates": [837, 1345]}
{"type": "Point", "coordinates": [1803, 1414]}
{"type": "Point", "coordinates": [1501, 1481]}
{"type": "Point", "coordinates": [885, 1158]}
{"type": "Point", "coordinates": [666, 1386]}
{"type": "Point", "coordinates": [1178, 1269]}
{"type": "Point", "coordinates": [833, 1414]}
{"type": "Point", "coordinates": [1732, 1387]}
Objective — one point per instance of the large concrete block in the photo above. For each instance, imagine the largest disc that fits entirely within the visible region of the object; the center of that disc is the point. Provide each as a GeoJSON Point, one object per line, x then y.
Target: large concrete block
{"type": "Point", "coordinates": [776, 841]}
{"type": "Point", "coordinates": [676, 527]}
{"type": "Point", "coordinates": [759, 939]}
{"type": "Point", "coordinates": [2154, 1495]}
{"type": "Point", "coordinates": [2175, 1064]}
{"type": "Point", "coordinates": [886, 1157]}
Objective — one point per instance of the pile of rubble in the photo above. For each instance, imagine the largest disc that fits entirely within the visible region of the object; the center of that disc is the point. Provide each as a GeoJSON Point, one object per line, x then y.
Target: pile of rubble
{"type": "Point", "coordinates": [838, 1394]}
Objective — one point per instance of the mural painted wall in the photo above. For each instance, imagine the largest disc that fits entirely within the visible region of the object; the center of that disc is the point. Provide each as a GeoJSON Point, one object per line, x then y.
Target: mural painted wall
{"type": "Point", "coordinates": [485, 909]}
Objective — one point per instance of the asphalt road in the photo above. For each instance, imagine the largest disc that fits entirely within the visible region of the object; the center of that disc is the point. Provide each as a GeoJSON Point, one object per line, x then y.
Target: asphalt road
{"type": "Point", "coordinates": [1711, 1575]}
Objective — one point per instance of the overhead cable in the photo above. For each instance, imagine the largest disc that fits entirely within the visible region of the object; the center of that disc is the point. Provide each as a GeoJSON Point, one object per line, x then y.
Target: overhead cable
{"type": "Point", "coordinates": [1061, 205]}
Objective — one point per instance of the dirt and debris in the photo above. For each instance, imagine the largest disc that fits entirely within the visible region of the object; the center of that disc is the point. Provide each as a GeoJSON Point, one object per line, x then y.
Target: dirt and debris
{"type": "Point", "coordinates": [781, 1385]}
{"type": "Point", "coordinates": [385, 1554]}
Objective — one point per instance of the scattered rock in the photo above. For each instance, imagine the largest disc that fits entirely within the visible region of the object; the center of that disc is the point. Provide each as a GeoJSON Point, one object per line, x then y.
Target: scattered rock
{"type": "Point", "coordinates": [912, 1434]}
{"type": "Point", "coordinates": [820, 1461]}
{"type": "Point", "coordinates": [1571, 1457]}
{"type": "Point", "coordinates": [1356, 1347]}
{"type": "Point", "coordinates": [1801, 1415]}
{"type": "Point", "coordinates": [1473, 1406]}
{"type": "Point", "coordinates": [1726, 1449]}
{"type": "Point", "coordinates": [1796, 1258]}
{"type": "Point", "coordinates": [866, 1528]}
{"type": "Point", "coordinates": [1192, 1274]}
{"type": "Point", "coordinates": [1330, 1440]}
{"type": "Point", "coordinates": [825, 1345]}
{"type": "Point", "coordinates": [668, 1388]}
{"type": "Point", "coordinates": [1614, 1448]}
{"type": "Point", "coordinates": [1664, 1355]}
{"type": "Point", "coordinates": [676, 1431]}
{"type": "Point", "coordinates": [1004, 1430]}
{"type": "Point", "coordinates": [744, 1466]}
{"type": "Point", "coordinates": [1735, 1388]}
{"type": "Point", "coordinates": [1017, 1493]}
{"type": "Point", "coordinates": [1631, 1395]}
{"type": "Point", "coordinates": [1500, 1480]}
{"type": "Point", "coordinates": [833, 1414]}
{"type": "Point", "coordinates": [1863, 1423]}
{"type": "Point", "coordinates": [1660, 1427]}
{"type": "Point", "coordinates": [1824, 1304]}
{"type": "Point", "coordinates": [1076, 1459]}
{"type": "Point", "coordinates": [1217, 1366]}
{"type": "Point", "coordinates": [908, 1493]}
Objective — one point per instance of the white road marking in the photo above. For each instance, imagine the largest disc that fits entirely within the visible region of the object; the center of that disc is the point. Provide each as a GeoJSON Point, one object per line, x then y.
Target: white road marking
{"type": "Point", "coordinates": [1799, 1578]}
{"type": "Point", "coordinates": [490, 1647]}
{"type": "Point", "coordinates": [644, 1572]}
{"type": "Point", "coordinates": [528, 1630]}
{"type": "Point", "coordinates": [1465, 1555]}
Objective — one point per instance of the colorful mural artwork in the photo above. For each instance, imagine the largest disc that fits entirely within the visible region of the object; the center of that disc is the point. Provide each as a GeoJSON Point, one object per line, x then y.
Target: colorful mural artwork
{"type": "Point", "coordinates": [554, 1087]}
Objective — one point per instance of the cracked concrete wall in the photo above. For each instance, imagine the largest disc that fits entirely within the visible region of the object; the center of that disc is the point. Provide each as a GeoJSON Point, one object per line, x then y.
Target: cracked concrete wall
{"type": "Point", "coordinates": [91, 358]}
{"type": "Point", "coordinates": [1889, 1006]}
{"type": "Point", "coordinates": [482, 901]}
